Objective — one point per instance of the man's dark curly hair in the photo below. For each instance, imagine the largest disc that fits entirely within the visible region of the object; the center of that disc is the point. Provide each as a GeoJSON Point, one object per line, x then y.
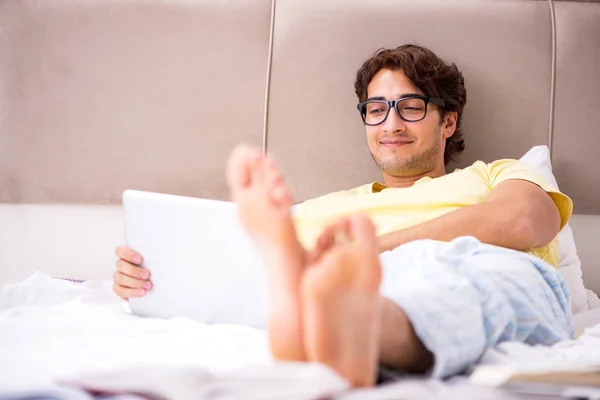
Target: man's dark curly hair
{"type": "Point", "coordinates": [428, 73]}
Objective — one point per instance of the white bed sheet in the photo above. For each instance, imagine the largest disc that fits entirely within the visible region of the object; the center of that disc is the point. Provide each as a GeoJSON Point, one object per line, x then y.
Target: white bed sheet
{"type": "Point", "coordinates": [55, 330]}
{"type": "Point", "coordinates": [51, 328]}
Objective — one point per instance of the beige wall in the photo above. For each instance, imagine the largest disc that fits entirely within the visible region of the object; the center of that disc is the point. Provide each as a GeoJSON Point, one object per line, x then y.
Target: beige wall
{"type": "Point", "coordinates": [102, 95]}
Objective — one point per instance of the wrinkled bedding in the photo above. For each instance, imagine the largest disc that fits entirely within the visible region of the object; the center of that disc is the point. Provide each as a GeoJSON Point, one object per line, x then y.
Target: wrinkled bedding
{"type": "Point", "coordinates": [52, 328]}
{"type": "Point", "coordinates": [58, 335]}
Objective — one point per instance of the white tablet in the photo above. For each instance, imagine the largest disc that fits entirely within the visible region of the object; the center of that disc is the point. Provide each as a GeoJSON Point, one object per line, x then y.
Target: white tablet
{"type": "Point", "coordinates": [202, 262]}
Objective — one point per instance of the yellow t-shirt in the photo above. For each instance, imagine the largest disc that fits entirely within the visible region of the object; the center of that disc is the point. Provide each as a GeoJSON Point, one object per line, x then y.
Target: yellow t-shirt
{"type": "Point", "coordinates": [393, 209]}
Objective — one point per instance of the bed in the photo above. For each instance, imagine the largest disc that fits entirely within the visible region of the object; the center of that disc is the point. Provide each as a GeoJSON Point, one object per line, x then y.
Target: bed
{"type": "Point", "coordinates": [100, 96]}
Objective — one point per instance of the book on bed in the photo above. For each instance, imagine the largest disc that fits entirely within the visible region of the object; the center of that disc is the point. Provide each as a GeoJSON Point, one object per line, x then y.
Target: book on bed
{"type": "Point", "coordinates": [568, 379]}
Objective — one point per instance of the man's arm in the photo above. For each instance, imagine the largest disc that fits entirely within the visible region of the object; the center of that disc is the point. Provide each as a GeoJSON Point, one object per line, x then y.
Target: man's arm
{"type": "Point", "coordinates": [517, 214]}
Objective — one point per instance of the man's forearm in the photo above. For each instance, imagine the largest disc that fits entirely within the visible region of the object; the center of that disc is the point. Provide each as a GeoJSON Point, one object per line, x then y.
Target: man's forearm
{"type": "Point", "coordinates": [489, 222]}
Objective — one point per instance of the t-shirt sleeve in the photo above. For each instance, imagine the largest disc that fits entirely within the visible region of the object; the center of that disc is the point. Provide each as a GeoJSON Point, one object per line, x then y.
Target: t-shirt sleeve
{"type": "Point", "coordinates": [504, 170]}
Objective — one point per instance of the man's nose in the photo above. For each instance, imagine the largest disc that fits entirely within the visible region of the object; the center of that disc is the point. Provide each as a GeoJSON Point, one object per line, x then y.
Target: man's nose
{"type": "Point", "coordinates": [393, 122]}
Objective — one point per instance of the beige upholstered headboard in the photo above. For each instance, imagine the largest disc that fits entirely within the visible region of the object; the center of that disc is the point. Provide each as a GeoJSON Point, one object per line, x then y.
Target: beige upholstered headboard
{"type": "Point", "coordinates": [101, 95]}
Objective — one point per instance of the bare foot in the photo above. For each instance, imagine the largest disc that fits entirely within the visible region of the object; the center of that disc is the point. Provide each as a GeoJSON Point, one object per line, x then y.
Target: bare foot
{"type": "Point", "coordinates": [341, 303]}
{"type": "Point", "coordinates": [264, 202]}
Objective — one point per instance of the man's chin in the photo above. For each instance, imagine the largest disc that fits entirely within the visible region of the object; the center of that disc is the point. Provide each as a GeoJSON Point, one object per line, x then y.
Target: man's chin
{"type": "Point", "coordinates": [393, 167]}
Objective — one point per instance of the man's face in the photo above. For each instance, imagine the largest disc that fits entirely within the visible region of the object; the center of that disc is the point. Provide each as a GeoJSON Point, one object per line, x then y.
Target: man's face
{"type": "Point", "coordinates": [402, 148]}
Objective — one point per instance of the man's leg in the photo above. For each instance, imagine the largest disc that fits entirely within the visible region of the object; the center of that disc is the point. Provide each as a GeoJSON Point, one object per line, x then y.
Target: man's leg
{"type": "Point", "coordinates": [325, 306]}
{"type": "Point", "coordinates": [264, 203]}
{"type": "Point", "coordinates": [399, 346]}
{"type": "Point", "coordinates": [341, 304]}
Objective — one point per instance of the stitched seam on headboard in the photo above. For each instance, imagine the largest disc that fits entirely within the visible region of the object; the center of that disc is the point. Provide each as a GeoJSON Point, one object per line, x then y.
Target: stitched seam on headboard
{"type": "Point", "coordinates": [552, 79]}
{"type": "Point", "coordinates": [268, 80]}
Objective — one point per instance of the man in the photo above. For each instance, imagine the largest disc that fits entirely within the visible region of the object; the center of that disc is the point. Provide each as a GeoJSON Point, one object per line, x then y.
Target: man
{"type": "Point", "coordinates": [421, 273]}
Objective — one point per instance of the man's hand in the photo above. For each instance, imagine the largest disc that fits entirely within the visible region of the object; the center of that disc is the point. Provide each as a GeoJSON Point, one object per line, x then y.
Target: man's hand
{"type": "Point", "coordinates": [130, 280]}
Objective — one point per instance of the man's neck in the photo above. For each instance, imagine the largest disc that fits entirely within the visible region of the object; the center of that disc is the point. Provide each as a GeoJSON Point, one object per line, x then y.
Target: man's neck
{"type": "Point", "coordinates": [391, 181]}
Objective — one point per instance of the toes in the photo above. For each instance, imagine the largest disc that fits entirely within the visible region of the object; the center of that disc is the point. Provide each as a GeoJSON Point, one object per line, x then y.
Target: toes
{"type": "Point", "coordinates": [364, 233]}
{"type": "Point", "coordinates": [273, 169]}
{"type": "Point", "coordinates": [275, 184]}
{"type": "Point", "coordinates": [272, 174]}
{"type": "Point", "coordinates": [241, 166]}
{"type": "Point", "coordinates": [362, 230]}
{"type": "Point", "coordinates": [337, 233]}
{"type": "Point", "coordinates": [282, 197]}
{"type": "Point", "coordinates": [343, 233]}
{"type": "Point", "coordinates": [266, 176]}
{"type": "Point", "coordinates": [324, 243]}
{"type": "Point", "coordinates": [357, 228]}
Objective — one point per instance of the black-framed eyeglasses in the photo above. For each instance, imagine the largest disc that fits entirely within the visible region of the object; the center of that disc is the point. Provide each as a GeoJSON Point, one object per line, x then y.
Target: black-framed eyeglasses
{"type": "Point", "coordinates": [411, 108]}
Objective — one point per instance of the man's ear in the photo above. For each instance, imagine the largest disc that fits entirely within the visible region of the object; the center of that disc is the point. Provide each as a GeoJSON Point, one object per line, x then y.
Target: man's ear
{"type": "Point", "coordinates": [449, 124]}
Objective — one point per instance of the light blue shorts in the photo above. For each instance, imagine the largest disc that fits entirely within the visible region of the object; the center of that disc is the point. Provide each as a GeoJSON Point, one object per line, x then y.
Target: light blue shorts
{"type": "Point", "coordinates": [463, 297]}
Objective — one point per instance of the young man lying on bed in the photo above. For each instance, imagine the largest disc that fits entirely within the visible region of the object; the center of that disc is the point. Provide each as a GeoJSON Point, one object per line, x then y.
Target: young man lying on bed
{"type": "Point", "coordinates": [357, 285]}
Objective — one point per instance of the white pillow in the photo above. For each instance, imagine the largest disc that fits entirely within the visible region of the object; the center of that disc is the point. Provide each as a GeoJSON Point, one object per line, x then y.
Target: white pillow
{"type": "Point", "coordinates": [592, 300]}
{"type": "Point", "coordinates": [569, 264]}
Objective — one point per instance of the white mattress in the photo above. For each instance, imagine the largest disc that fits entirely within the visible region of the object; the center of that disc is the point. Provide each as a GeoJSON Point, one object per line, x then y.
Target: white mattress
{"type": "Point", "coordinates": [55, 330]}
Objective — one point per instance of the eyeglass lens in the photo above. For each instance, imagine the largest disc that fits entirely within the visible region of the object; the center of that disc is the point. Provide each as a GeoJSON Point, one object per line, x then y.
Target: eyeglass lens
{"type": "Point", "coordinates": [409, 109]}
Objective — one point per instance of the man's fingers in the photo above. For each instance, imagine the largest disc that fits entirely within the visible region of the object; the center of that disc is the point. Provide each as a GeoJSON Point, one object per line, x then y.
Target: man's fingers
{"type": "Point", "coordinates": [125, 253]}
{"type": "Point", "coordinates": [132, 270]}
{"type": "Point", "coordinates": [126, 293]}
{"type": "Point", "coordinates": [129, 282]}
